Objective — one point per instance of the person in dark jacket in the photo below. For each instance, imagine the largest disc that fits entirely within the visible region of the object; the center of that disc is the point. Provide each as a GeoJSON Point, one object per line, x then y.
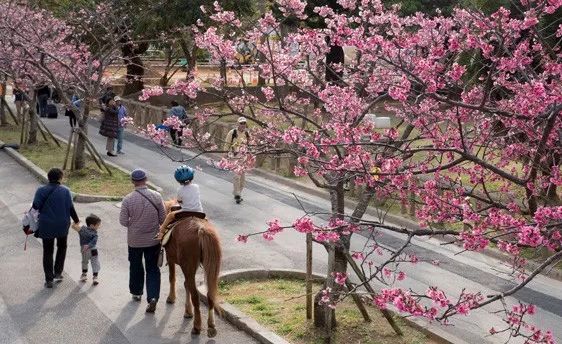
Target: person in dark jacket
{"type": "Point", "coordinates": [43, 96]}
{"type": "Point", "coordinates": [54, 203]}
{"type": "Point", "coordinates": [110, 126]}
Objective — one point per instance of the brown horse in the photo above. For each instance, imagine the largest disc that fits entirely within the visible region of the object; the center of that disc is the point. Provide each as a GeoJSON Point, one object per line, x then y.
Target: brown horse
{"type": "Point", "coordinates": [194, 241]}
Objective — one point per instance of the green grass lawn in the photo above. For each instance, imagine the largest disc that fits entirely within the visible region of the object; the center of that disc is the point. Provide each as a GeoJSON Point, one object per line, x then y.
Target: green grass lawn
{"type": "Point", "coordinates": [90, 180]}
{"type": "Point", "coordinates": [279, 304]}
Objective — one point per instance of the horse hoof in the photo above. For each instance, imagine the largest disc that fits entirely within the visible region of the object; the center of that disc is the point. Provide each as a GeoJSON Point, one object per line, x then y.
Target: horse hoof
{"type": "Point", "coordinates": [170, 300]}
{"type": "Point", "coordinates": [188, 316]}
{"type": "Point", "coordinates": [195, 331]}
{"type": "Point", "coordinates": [211, 332]}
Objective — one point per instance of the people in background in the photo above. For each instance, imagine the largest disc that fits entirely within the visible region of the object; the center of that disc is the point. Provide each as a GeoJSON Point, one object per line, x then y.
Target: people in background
{"type": "Point", "coordinates": [235, 139]}
{"type": "Point", "coordinates": [121, 114]}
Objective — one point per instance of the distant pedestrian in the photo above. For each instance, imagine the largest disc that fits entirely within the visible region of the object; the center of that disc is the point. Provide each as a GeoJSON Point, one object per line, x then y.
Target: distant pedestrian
{"type": "Point", "coordinates": [121, 114]}
{"type": "Point", "coordinates": [72, 109]}
{"type": "Point", "coordinates": [88, 236]}
{"type": "Point", "coordinates": [43, 95]}
{"type": "Point", "coordinates": [54, 203]}
{"type": "Point", "coordinates": [177, 111]}
{"type": "Point", "coordinates": [142, 212]}
{"type": "Point", "coordinates": [110, 126]}
{"type": "Point", "coordinates": [235, 139]}
{"type": "Point", "coordinates": [19, 98]}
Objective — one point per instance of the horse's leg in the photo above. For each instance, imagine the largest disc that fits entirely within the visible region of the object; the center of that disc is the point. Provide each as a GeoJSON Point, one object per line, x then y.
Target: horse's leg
{"type": "Point", "coordinates": [188, 305]}
{"type": "Point", "coordinates": [211, 329]}
{"type": "Point", "coordinates": [172, 296]}
{"type": "Point", "coordinates": [192, 289]}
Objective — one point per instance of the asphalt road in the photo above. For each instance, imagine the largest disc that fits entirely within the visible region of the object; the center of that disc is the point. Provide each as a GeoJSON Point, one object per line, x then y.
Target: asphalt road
{"type": "Point", "coordinates": [266, 199]}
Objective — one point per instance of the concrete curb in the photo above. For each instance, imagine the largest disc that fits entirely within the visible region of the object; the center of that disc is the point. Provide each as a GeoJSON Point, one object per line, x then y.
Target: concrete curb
{"type": "Point", "coordinates": [40, 174]}
{"type": "Point", "coordinates": [265, 336]}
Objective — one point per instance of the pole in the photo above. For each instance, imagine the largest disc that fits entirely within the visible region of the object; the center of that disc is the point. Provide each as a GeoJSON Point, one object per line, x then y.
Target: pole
{"type": "Point", "coordinates": [309, 275]}
{"type": "Point", "coordinates": [68, 149]}
{"type": "Point", "coordinates": [87, 140]}
{"type": "Point", "coordinates": [40, 122]}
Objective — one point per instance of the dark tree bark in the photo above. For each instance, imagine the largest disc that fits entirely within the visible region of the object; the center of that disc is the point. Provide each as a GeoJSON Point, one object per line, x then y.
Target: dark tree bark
{"type": "Point", "coordinates": [3, 117]}
{"type": "Point", "coordinates": [81, 145]}
{"type": "Point", "coordinates": [135, 68]}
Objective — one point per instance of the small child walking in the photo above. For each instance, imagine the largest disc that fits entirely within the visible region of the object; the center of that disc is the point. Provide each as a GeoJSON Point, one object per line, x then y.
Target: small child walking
{"type": "Point", "coordinates": [188, 196]}
{"type": "Point", "coordinates": [88, 245]}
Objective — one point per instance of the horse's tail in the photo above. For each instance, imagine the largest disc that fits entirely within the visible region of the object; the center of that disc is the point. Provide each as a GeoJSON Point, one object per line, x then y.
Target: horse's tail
{"type": "Point", "coordinates": [211, 259]}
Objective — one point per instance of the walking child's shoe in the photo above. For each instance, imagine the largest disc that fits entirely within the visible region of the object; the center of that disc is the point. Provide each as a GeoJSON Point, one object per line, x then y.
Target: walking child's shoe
{"type": "Point", "coordinates": [83, 277]}
{"type": "Point", "coordinates": [95, 281]}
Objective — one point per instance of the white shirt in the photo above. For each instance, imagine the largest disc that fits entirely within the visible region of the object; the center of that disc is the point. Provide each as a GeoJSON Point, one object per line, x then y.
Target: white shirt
{"type": "Point", "coordinates": [190, 198]}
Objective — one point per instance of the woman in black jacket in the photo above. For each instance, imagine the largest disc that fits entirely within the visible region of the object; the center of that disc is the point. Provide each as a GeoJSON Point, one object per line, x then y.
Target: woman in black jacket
{"type": "Point", "coordinates": [110, 126]}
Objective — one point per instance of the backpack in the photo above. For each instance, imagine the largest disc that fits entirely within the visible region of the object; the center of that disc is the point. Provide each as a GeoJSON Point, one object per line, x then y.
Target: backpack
{"type": "Point", "coordinates": [235, 135]}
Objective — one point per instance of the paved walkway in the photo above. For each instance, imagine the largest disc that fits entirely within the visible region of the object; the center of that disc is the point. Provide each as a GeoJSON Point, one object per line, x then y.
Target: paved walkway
{"type": "Point", "coordinates": [265, 199]}
{"type": "Point", "coordinates": [75, 312]}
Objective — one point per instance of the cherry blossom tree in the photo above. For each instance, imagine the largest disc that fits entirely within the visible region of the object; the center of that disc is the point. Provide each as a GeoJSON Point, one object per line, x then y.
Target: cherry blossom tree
{"type": "Point", "coordinates": [36, 47]}
{"type": "Point", "coordinates": [476, 101]}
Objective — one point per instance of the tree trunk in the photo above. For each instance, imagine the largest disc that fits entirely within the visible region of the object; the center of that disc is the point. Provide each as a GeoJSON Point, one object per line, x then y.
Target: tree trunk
{"type": "Point", "coordinates": [80, 161]}
{"type": "Point", "coordinates": [223, 73]}
{"type": "Point", "coordinates": [190, 53]}
{"type": "Point", "coordinates": [337, 262]}
{"type": "Point", "coordinates": [135, 67]}
{"type": "Point", "coordinates": [33, 123]}
{"type": "Point", "coordinates": [3, 117]}
{"type": "Point", "coordinates": [335, 56]}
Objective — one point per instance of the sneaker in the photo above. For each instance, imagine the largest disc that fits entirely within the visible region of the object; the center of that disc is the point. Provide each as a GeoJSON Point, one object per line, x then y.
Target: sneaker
{"type": "Point", "coordinates": [95, 280]}
{"type": "Point", "coordinates": [238, 199]}
{"type": "Point", "coordinates": [151, 306]}
{"type": "Point", "coordinates": [58, 278]}
{"type": "Point", "coordinates": [111, 154]}
{"type": "Point", "coordinates": [120, 152]}
{"type": "Point", "coordinates": [83, 277]}
{"type": "Point", "coordinates": [49, 284]}
{"type": "Point", "coordinates": [137, 298]}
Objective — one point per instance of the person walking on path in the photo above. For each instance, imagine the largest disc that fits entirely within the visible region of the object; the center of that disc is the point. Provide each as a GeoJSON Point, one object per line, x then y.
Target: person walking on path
{"type": "Point", "coordinates": [43, 96]}
{"type": "Point", "coordinates": [110, 126]}
{"type": "Point", "coordinates": [70, 110]}
{"type": "Point", "coordinates": [236, 138]}
{"type": "Point", "coordinates": [177, 111]}
{"type": "Point", "coordinates": [142, 212]}
{"type": "Point", "coordinates": [55, 207]}
{"type": "Point", "coordinates": [19, 98]}
{"type": "Point", "coordinates": [121, 114]}
{"type": "Point", "coordinates": [88, 236]}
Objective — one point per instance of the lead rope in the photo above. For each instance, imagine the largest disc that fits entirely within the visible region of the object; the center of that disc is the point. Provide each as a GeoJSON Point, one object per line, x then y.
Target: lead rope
{"type": "Point", "coordinates": [25, 244]}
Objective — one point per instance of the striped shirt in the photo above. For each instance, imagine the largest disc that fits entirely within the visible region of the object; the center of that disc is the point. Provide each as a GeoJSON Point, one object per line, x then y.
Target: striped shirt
{"type": "Point", "coordinates": [141, 218]}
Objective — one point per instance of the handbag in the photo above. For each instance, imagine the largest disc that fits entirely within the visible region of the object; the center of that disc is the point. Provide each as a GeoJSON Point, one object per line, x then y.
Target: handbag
{"type": "Point", "coordinates": [30, 219]}
{"type": "Point", "coordinates": [161, 253]}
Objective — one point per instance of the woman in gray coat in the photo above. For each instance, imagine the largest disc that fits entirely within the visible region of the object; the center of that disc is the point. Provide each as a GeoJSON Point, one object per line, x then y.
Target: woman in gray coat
{"type": "Point", "coordinates": [110, 125]}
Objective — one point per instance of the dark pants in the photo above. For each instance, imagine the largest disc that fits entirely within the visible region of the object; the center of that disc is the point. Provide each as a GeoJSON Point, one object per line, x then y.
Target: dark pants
{"type": "Point", "coordinates": [71, 118]}
{"type": "Point", "coordinates": [176, 136]}
{"type": "Point", "coordinates": [42, 104]}
{"type": "Point", "coordinates": [48, 250]}
{"type": "Point", "coordinates": [136, 271]}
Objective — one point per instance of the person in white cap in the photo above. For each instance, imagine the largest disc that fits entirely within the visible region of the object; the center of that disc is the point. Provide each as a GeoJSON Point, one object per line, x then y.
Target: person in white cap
{"type": "Point", "coordinates": [236, 138]}
{"type": "Point", "coordinates": [122, 113]}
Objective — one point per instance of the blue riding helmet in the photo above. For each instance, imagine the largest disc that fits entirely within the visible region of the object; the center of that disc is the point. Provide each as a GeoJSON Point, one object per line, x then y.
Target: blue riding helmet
{"type": "Point", "coordinates": [184, 173]}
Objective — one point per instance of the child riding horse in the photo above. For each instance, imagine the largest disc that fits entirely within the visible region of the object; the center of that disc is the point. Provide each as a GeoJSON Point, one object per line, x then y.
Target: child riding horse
{"type": "Point", "coordinates": [194, 240]}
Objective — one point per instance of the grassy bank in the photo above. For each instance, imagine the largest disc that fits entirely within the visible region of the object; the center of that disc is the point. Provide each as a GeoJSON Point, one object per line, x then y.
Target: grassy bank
{"type": "Point", "coordinates": [279, 305]}
{"type": "Point", "coordinates": [90, 180]}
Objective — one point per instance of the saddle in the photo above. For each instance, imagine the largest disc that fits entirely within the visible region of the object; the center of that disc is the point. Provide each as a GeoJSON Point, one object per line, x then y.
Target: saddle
{"type": "Point", "coordinates": [179, 217]}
